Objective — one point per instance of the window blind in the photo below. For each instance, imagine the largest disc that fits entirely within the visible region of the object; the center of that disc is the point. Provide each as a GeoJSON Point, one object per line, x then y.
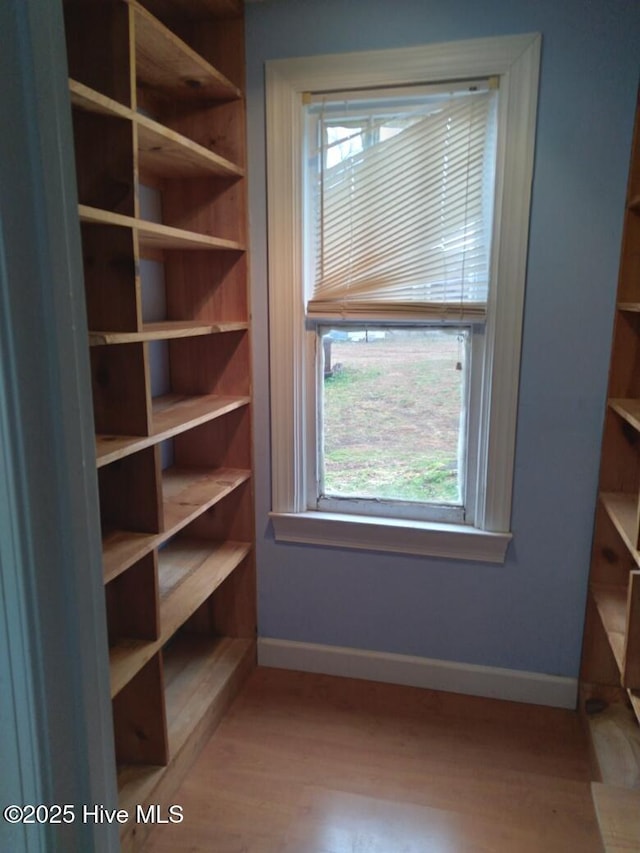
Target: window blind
{"type": "Point", "coordinates": [403, 205]}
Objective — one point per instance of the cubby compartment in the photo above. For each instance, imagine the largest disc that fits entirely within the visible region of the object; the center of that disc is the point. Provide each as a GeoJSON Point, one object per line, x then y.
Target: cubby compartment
{"type": "Point", "coordinates": [139, 718]}
{"type": "Point", "coordinates": [130, 493]}
{"type": "Point", "coordinates": [207, 289]}
{"type": "Point", "coordinates": [120, 386]}
{"type": "Point", "coordinates": [109, 141]}
{"type": "Point", "coordinates": [211, 364]}
{"type": "Point", "coordinates": [99, 47]}
{"type": "Point", "coordinates": [183, 206]}
{"type": "Point", "coordinates": [111, 282]}
{"type": "Point", "coordinates": [620, 453]}
{"type": "Point", "coordinates": [132, 603]}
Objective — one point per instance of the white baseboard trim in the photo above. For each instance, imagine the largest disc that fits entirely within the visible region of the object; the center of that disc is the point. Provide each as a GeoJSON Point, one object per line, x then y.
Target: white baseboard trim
{"type": "Point", "coordinates": [488, 681]}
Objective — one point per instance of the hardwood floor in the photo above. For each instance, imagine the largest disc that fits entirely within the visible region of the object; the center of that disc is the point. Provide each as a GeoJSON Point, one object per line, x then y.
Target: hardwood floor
{"type": "Point", "coordinates": [314, 764]}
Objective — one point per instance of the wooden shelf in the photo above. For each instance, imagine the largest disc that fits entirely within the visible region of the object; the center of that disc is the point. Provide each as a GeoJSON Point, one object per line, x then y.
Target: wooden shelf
{"type": "Point", "coordinates": [168, 65]}
{"type": "Point", "coordinates": [169, 154]}
{"type": "Point", "coordinates": [197, 672]}
{"type": "Point", "coordinates": [622, 510]}
{"type": "Point", "coordinates": [202, 675]}
{"type": "Point", "coordinates": [167, 330]}
{"type": "Point", "coordinates": [176, 413]}
{"type": "Point", "coordinates": [154, 235]}
{"type": "Point", "coordinates": [161, 150]}
{"type": "Point", "coordinates": [190, 570]}
{"type": "Point", "coordinates": [169, 557]}
{"type": "Point", "coordinates": [631, 307]}
{"type": "Point", "coordinates": [619, 610]}
{"type": "Point", "coordinates": [188, 492]}
{"type": "Point", "coordinates": [122, 548]}
{"type": "Point", "coordinates": [611, 602]}
{"type": "Point", "coordinates": [627, 409]}
{"type": "Point", "coordinates": [172, 414]}
{"type": "Point", "coordinates": [85, 98]}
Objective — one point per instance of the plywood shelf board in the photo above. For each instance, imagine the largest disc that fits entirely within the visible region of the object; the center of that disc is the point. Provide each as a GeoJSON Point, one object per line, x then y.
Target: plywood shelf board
{"type": "Point", "coordinates": [172, 414]}
{"type": "Point", "coordinates": [631, 307]}
{"type": "Point", "coordinates": [154, 235]}
{"type": "Point", "coordinates": [188, 492]}
{"type": "Point", "coordinates": [189, 571]}
{"type": "Point", "coordinates": [171, 155]}
{"type": "Point", "coordinates": [165, 63]}
{"type": "Point", "coordinates": [627, 409]}
{"type": "Point", "coordinates": [197, 670]}
{"type": "Point", "coordinates": [167, 330]}
{"type": "Point", "coordinates": [623, 511]}
{"type": "Point", "coordinates": [87, 99]}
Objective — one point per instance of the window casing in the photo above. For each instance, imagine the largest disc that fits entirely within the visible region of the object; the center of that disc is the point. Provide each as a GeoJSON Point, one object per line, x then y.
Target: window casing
{"type": "Point", "coordinates": [515, 60]}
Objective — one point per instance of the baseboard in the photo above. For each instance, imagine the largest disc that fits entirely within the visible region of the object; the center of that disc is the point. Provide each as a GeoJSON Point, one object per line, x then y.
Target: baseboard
{"type": "Point", "coordinates": [488, 681]}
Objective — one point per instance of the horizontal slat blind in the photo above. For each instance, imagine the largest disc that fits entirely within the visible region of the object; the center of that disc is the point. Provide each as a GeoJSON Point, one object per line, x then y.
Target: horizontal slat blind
{"type": "Point", "coordinates": [403, 222]}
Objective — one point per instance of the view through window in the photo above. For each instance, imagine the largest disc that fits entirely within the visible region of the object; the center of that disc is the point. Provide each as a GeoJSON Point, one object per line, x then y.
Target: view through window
{"type": "Point", "coordinates": [393, 421]}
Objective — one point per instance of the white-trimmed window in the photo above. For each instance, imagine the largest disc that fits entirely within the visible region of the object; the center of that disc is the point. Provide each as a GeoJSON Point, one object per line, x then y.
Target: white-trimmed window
{"type": "Point", "coordinates": [349, 259]}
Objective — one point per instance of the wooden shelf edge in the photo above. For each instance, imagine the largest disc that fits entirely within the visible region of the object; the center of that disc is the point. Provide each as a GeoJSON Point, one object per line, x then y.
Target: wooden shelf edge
{"type": "Point", "coordinates": [155, 235]}
{"type": "Point", "coordinates": [146, 785]}
{"type": "Point", "coordinates": [86, 98]}
{"type": "Point", "coordinates": [631, 307]}
{"type": "Point", "coordinates": [208, 407]}
{"type": "Point", "coordinates": [122, 548]}
{"type": "Point", "coordinates": [167, 330]}
{"type": "Point", "coordinates": [628, 409]}
{"type": "Point", "coordinates": [171, 154]}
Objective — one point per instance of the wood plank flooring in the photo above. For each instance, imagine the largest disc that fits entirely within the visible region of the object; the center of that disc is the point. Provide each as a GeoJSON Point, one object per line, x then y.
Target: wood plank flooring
{"type": "Point", "coordinates": [314, 764]}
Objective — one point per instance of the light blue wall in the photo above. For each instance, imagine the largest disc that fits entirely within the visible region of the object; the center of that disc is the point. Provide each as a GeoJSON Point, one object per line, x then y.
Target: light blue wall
{"type": "Point", "coordinates": [528, 613]}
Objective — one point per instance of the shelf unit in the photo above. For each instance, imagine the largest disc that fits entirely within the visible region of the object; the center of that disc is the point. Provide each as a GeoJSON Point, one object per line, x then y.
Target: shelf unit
{"type": "Point", "coordinates": [610, 675]}
{"type": "Point", "coordinates": [158, 115]}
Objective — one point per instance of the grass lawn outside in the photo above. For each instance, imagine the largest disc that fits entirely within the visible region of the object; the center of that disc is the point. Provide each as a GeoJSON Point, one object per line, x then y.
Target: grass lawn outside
{"type": "Point", "coordinates": [392, 417]}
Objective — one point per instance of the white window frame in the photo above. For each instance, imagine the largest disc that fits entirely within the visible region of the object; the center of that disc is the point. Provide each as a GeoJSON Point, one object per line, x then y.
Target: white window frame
{"type": "Point", "coordinates": [515, 60]}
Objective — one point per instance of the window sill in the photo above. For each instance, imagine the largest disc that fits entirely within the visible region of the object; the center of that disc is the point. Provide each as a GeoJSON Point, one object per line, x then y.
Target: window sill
{"type": "Point", "coordinates": [433, 539]}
